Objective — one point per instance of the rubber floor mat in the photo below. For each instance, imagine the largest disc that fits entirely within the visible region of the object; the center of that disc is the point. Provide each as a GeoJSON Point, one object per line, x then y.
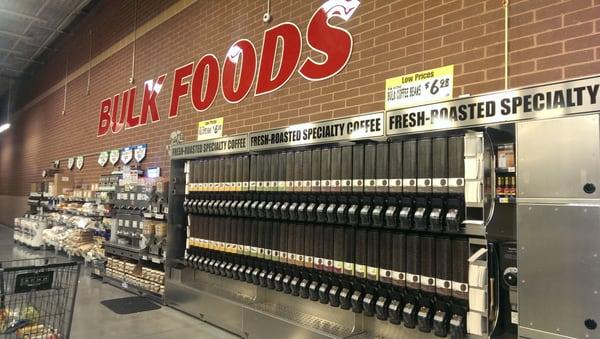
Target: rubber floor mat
{"type": "Point", "coordinates": [130, 305]}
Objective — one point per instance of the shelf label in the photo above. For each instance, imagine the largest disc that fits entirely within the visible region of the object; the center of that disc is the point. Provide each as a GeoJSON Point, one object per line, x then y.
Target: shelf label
{"type": "Point", "coordinates": [514, 317]}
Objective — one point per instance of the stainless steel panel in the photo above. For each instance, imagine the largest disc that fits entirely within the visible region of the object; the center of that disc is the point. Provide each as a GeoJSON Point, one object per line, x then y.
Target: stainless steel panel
{"type": "Point", "coordinates": [383, 329]}
{"type": "Point", "coordinates": [230, 304]}
{"type": "Point", "coordinates": [216, 311]}
{"type": "Point", "coordinates": [528, 333]}
{"type": "Point", "coordinates": [332, 320]}
{"type": "Point", "coordinates": [556, 158]}
{"type": "Point", "coordinates": [255, 312]}
{"type": "Point", "coordinates": [262, 326]}
{"type": "Point", "coordinates": [559, 268]}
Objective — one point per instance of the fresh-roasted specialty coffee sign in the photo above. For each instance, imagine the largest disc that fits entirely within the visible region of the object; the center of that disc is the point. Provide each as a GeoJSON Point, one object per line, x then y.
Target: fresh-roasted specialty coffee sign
{"type": "Point", "coordinates": [241, 69]}
{"type": "Point", "coordinates": [227, 145]}
{"type": "Point", "coordinates": [358, 127]}
{"type": "Point", "coordinates": [539, 102]}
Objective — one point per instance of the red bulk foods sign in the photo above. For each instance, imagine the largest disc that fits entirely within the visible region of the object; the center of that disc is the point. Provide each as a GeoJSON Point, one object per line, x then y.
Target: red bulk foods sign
{"type": "Point", "coordinates": [202, 80]}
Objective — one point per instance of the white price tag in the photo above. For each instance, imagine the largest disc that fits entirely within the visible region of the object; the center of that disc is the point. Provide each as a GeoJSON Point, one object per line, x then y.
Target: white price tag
{"type": "Point", "coordinates": [514, 317]}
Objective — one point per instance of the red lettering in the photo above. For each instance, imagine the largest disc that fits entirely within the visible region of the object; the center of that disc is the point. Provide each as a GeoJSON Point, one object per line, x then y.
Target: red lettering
{"type": "Point", "coordinates": [151, 90]}
{"type": "Point", "coordinates": [333, 42]}
{"type": "Point", "coordinates": [291, 39]}
{"type": "Point", "coordinates": [330, 51]}
{"type": "Point", "coordinates": [104, 117]}
{"type": "Point", "coordinates": [179, 89]}
{"type": "Point", "coordinates": [114, 113]}
{"type": "Point", "coordinates": [118, 120]}
{"type": "Point", "coordinates": [132, 121]}
{"type": "Point", "coordinates": [208, 63]}
{"type": "Point", "coordinates": [243, 54]}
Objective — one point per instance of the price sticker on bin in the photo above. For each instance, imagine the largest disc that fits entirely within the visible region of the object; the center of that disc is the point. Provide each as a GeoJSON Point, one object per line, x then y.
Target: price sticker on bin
{"type": "Point", "coordinates": [419, 88]}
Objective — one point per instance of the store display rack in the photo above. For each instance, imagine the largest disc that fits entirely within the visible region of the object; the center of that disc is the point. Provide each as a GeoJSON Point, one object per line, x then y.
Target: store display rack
{"type": "Point", "coordinates": [123, 221]}
{"type": "Point", "coordinates": [124, 285]}
{"type": "Point", "coordinates": [390, 232]}
{"type": "Point", "coordinates": [139, 239]}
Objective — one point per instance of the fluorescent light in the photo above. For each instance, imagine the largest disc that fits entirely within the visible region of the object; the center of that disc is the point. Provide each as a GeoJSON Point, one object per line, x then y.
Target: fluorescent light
{"type": "Point", "coordinates": [4, 127]}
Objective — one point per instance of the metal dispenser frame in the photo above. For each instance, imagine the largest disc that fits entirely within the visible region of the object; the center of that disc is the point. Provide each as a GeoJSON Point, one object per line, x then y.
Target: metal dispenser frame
{"type": "Point", "coordinates": [245, 309]}
{"type": "Point", "coordinates": [552, 226]}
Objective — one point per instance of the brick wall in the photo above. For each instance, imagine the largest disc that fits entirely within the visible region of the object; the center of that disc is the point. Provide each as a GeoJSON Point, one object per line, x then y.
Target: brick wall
{"type": "Point", "coordinates": [549, 40]}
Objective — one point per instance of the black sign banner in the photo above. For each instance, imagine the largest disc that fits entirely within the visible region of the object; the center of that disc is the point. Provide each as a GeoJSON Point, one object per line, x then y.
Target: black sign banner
{"type": "Point", "coordinates": [539, 102]}
{"type": "Point", "coordinates": [357, 127]}
{"type": "Point", "coordinates": [219, 146]}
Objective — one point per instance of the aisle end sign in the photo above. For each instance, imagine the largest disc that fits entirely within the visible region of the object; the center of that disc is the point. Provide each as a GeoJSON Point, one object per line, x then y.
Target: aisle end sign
{"type": "Point", "coordinates": [419, 88]}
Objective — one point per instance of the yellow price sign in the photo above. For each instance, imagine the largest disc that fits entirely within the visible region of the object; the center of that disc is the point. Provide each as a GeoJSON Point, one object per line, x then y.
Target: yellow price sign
{"type": "Point", "coordinates": [210, 129]}
{"type": "Point", "coordinates": [420, 87]}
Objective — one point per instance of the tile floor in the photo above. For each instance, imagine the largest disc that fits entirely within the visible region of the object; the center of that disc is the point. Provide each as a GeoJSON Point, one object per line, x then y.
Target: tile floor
{"type": "Point", "coordinates": [94, 321]}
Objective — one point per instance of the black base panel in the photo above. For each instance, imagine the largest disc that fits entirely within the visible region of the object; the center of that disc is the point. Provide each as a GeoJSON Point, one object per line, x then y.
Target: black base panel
{"type": "Point", "coordinates": [130, 305]}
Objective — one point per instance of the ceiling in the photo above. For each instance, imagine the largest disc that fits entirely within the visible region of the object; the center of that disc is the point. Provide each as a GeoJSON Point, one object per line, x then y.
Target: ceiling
{"type": "Point", "coordinates": [27, 30]}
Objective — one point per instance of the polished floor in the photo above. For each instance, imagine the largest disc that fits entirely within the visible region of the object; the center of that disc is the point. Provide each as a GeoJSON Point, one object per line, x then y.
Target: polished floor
{"type": "Point", "coordinates": [94, 321]}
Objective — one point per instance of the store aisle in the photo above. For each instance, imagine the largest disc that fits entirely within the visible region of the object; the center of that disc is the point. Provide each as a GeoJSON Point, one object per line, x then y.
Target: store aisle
{"type": "Point", "coordinates": [92, 320]}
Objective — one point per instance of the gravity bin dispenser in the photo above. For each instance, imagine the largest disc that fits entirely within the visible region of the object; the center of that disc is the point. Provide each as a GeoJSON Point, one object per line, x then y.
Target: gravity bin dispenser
{"type": "Point", "coordinates": [398, 238]}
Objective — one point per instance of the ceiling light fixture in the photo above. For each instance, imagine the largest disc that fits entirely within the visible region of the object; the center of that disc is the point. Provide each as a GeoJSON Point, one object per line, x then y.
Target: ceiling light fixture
{"type": "Point", "coordinates": [6, 125]}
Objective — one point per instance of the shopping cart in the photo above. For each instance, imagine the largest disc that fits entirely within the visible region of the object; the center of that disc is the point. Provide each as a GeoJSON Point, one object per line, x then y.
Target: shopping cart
{"type": "Point", "coordinates": [37, 298]}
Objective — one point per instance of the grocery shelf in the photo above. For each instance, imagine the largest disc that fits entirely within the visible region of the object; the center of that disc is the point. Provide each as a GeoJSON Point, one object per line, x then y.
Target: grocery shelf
{"type": "Point", "coordinates": [133, 289]}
